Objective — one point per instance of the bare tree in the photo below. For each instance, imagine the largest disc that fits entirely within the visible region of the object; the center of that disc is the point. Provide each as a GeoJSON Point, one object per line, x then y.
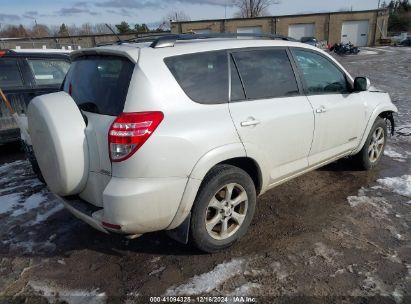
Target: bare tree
{"type": "Point", "coordinates": [253, 8]}
{"type": "Point", "coordinates": [177, 16]}
{"type": "Point", "coordinates": [40, 30]}
{"type": "Point", "coordinates": [174, 16]}
{"type": "Point", "coordinates": [101, 28]}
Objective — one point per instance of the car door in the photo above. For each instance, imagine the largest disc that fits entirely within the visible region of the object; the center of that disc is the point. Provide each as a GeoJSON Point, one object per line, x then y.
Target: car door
{"type": "Point", "coordinates": [339, 114]}
{"type": "Point", "coordinates": [273, 119]}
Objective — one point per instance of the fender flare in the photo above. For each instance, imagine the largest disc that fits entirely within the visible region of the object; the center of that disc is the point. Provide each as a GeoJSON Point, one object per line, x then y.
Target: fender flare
{"type": "Point", "coordinates": [201, 168]}
{"type": "Point", "coordinates": [377, 111]}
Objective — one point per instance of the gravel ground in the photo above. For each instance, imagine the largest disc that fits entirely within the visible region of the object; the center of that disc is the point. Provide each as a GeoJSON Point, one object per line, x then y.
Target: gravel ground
{"type": "Point", "coordinates": [333, 235]}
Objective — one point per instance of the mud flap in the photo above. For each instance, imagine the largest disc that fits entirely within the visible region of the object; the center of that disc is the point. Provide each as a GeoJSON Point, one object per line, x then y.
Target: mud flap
{"type": "Point", "coordinates": [389, 116]}
{"type": "Point", "coordinates": [181, 233]}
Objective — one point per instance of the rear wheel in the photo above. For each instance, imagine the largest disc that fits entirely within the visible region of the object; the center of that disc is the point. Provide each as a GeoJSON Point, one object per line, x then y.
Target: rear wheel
{"type": "Point", "coordinates": [223, 209]}
{"type": "Point", "coordinates": [370, 155]}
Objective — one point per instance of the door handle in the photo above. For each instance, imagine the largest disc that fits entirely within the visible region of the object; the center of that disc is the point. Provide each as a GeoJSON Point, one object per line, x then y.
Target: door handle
{"type": "Point", "coordinates": [250, 122]}
{"type": "Point", "coordinates": [321, 110]}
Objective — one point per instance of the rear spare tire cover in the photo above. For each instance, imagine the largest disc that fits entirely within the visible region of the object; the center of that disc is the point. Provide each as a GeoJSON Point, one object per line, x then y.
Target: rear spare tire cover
{"type": "Point", "coordinates": [57, 131]}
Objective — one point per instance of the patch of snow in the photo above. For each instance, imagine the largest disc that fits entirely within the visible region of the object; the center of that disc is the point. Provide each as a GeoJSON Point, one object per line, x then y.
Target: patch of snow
{"type": "Point", "coordinates": [397, 295]}
{"type": "Point", "coordinates": [328, 254]}
{"type": "Point", "coordinates": [33, 202]}
{"type": "Point", "coordinates": [6, 167]}
{"type": "Point", "coordinates": [209, 281]}
{"type": "Point", "coordinates": [9, 202]}
{"type": "Point", "coordinates": [69, 296]}
{"type": "Point", "coordinates": [279, 271]}
{"type": "Point", "coordinates": [374, 285]}
{"type": "Point", "coordinates": [159, 270]}
{"type": "Point", "coordinates": [30, 246]}
{"type": "Point", "coordinates": [41, 217]}
{"type": "Point", "coordinates": [367, 52]}
{"type": "Point", "coordinates": [390, 152]}
{"type": "Point", "coordinates": [400, 185]}
{"type": "Point", "coordinates": [354, 201]}
{"type": "Point", "coordinates": [242, 291]}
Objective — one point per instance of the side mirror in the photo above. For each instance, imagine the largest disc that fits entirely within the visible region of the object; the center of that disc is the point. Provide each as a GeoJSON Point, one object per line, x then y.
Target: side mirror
{"type": "Point", "coordinates": [361, 84]}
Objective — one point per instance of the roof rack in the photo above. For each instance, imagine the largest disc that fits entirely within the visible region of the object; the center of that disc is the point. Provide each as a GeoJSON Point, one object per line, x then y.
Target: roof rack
{"type": "Point", "coordinates": [143, 38]}
{"type": "Point", "coordinates": [169, 40]}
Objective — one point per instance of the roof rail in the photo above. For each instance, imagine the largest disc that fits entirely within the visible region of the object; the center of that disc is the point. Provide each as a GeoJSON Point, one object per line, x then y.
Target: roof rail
{"type": "Point", "coordinates": [169, 40]}
{"type": "Point", "coordinates": [142, 38]}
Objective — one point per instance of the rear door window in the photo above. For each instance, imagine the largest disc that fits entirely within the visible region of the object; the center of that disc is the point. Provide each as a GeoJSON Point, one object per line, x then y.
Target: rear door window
{"type": "Point", "coordinates": [10, 76]}
{"type": "Point", "coordinates": [48, 72]}
{"type": "Point", "coordinates": [99, 84]}
{"type": "Point", "coordinates": [266, 73]}
{"type": "Point", "coordinates": [202, 76]}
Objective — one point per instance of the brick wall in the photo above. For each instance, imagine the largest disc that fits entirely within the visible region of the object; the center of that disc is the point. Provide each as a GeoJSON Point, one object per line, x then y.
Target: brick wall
{"type": "Point", "coordinates": [328, 26]}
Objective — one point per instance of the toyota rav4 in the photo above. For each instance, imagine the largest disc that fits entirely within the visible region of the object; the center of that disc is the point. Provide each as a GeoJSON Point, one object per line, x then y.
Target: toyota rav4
{"type": "Point", "coordinates": [182, 134]}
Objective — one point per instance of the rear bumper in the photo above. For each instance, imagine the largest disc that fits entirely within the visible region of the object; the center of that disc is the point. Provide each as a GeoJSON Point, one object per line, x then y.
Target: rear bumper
{"type": "Point", "coordinates": [138, 206]}
{"type": "Point", "coordinates": [85, 212]}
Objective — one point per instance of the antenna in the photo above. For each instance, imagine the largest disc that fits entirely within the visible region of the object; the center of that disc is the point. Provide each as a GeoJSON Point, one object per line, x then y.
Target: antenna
{"type": "Point", "coordinates": [115, 34]}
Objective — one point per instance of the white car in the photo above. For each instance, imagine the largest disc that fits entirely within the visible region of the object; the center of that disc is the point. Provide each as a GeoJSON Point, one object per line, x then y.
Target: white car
{"type": "Point", "coordinates": [183, 135]}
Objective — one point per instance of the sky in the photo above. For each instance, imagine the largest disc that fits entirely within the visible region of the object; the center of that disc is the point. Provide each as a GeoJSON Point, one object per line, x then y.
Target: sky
{"type": "Point", "coordinates": [151, 12]}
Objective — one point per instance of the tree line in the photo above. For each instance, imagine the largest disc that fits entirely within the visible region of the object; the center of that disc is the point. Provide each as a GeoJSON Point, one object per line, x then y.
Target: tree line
{"type": "Point", "coordinates": [400, 15]}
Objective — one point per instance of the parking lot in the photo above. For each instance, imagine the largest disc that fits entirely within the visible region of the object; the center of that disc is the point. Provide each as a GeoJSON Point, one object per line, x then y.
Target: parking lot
{"type": "Point", "coordinates": [335, 232]}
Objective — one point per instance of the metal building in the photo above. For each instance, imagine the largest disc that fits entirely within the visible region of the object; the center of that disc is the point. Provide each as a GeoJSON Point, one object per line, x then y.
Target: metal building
{"type": "Point", "coordinates": [363, 28]}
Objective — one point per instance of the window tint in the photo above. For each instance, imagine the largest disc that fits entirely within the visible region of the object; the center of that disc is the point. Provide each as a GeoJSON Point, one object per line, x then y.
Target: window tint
{"type": "Point", "coordinates": [237, 90]}
{"type": "Point", "coordinates": [202, 76]}
{"type": "Point", "coordinates": [48, 71]}
{"type": "Point", "coordinates": [266, 73]}
{"type": "Point", "coordinates": [99, 84]}
{"type": "Point", "coordinates": [319, 74]}
{"type": "Point", "coordinates": [9, 74]}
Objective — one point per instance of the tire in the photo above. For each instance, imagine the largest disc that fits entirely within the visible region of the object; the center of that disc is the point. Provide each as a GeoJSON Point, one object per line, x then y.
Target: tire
{"type": "Point", "coordinates": [373, 149]}
{"type": "Point", "coordinates": [28, 151]}
{"type": "Point", "coordinates": [57, 131]}
{"type": "Point", "coordinates": [212, 206]}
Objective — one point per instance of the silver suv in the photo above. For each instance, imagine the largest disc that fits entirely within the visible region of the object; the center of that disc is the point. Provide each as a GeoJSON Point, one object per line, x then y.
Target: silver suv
{"type": "Point", "coordinates": [183, 134]}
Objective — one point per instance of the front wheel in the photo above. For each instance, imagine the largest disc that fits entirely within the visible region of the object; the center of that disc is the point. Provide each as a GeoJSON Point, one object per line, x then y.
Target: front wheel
{"type": "Point", "coordinates": [223, 209]}
{"type": "Point", "coordinates": [370, 155]}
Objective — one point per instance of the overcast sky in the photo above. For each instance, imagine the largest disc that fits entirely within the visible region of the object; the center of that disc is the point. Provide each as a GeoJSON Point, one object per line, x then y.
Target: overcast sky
{"type": "Point", "coordinates": [55, 12]}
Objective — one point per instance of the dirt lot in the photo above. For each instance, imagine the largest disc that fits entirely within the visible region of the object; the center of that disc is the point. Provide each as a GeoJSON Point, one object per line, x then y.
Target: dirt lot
{"type": "Point", "coordinates": [335, 235]}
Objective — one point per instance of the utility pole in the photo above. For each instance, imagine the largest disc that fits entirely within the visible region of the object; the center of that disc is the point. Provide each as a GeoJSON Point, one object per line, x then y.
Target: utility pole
{"type": "Point", "coordinates": [379, 2]}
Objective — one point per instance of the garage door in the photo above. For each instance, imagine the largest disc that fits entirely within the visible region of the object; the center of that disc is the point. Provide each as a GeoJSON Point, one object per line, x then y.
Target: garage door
{"type": "Point", "coordinates": [355, 32]}
{"type": "Point", "coordinates": [297, 31]}
{"type": "Point", "coordinates": [250, 30]}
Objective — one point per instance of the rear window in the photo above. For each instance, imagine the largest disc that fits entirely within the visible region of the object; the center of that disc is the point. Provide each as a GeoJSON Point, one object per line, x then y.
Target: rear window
{"type": "Point", "coordinates": [202, 76]}
{"type": "Point", "coordinates": [48, 72]}
{"type": "Point", "coordinates": [99, 84]}
{"type": "Point", "coordinates": [10, 75]}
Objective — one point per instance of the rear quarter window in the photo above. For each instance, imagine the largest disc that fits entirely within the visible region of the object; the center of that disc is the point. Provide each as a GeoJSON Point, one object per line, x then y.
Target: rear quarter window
{"type": "Point", "coordinates": [202, 76]}
{"type": "Point", "coordinates": [10, 76]}
{"type": "Point", "coordinates": [99, 84]}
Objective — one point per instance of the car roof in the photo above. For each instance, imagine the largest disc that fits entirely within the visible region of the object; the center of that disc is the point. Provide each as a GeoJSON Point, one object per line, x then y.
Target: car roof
{"type": "Point", "coordinates": [30, 53]}
{"type": "Point", "coordinates": [180, 47]}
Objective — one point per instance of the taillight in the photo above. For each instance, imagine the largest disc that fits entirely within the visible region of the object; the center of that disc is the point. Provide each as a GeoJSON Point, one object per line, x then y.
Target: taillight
{"type": "Point", "coordinates": [129, 132]}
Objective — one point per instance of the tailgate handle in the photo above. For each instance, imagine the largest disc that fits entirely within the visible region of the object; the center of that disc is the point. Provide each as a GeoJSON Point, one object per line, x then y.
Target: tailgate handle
{"type": "Point", "coordinates": [250, 122]}
{"type": "Point", "coordinates": [322, 109]}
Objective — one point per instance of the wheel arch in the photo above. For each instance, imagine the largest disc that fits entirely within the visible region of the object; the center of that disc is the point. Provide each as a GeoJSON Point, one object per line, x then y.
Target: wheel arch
{"type": "Point", "coordinates": [384, 111]}
{"type": "Point", "coordinates": [233, 154]}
